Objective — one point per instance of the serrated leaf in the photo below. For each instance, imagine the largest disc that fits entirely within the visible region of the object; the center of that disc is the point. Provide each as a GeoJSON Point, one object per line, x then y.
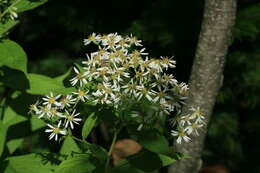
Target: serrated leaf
{"type": "Point", "coordinates": [88, 125]}
{"type": "Point", "coordinates": [80, 163]}
{"type": "Point", "coordinates": [30, 163]}
{"type": "Point", "coordinates": [25, 5]}
{"type": "Point", "coordinates": [12, 55]}
{"type": "Point", "coordinates": [4, 28]}
{"type": "Point", "coordinates": [69, 146]}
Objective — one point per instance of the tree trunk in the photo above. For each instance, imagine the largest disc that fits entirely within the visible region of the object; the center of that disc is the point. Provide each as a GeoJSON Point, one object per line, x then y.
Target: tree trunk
{"type": "Point", "coordinates": [207, 75]}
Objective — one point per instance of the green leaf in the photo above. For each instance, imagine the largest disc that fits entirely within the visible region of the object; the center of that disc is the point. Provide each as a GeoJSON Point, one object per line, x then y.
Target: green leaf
{"type": "Point", "coordinates": [126, 168]}
{"type": "Point", "coordinates": [153, 141]}
{"type": "Point", "coordinates": [4, 28]}
{"type": "Point", "coordinates": [12, 55]}
{"type": "Point", "coordinates": [166, 160]}
{"type": "Point", "coordinates": [12, 145]}
{"type": "Point", "coordinates": [61, 78]}
{"type": "Point", "coordinates": [98, 152]}
{"type": "Point", "coordinates": [146, 161]}
{"type": "Point", "coordinates": [25, 5]}
{"type": "Point", "coordinates": [42, 85]}
{"type": "Point", "coordinates": [80, 163]}
{"type": "Point", "coordinates": [3, 131]}
{"type": "Point", "coordinates": [12, 118]}
{"type": "Point", "coordinates": [143, 161]}
{"type": "Point", "coordinates": [30, 163]}
{"type": "Point", "coordinates": [69, 146]}
{"type": "Point", "coordinates": [37, 123]}
{"type": "Point", "coordinates": [88, 125]}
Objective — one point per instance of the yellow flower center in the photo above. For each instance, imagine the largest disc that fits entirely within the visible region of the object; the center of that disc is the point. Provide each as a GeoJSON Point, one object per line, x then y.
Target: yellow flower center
{"type": "Point", "coordinates": [56, 130]}
{"type": "Point", "coordinates": [81, 93]}
{"type": "Point", "coordinates": [70, 118]}
{"type": "Point", "coordinates": [52, 100]}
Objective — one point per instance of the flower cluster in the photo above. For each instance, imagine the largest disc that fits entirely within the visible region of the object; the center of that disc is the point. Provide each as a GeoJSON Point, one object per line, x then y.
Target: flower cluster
{"type": "Point", "coordinates": [58, 112]}
{"type": "Point", "coordinates": [116, 74]}
{"type": "Point", "coordinates": [188, 124]}
{"type": "Point", "coordinates": [121, 72]}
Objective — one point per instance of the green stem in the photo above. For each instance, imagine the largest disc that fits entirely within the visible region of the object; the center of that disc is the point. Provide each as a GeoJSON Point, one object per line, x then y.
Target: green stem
{"type": "Point", "coordinates": [80, 140]}
{"type": "Point", "coordinates": [3, 108]}
{"type": "Point", "coordinates": [110, 150]}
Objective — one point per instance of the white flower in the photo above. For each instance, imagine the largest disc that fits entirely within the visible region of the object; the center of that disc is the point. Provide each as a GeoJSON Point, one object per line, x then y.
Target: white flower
{"type": "Point", "coordinates": [168, 62]}
{"type": "Point", "coordinates": [144, 92]}
{"type": "Point", "coordinates": [193, 128]}
{"type": "Point", "coordinates": [51, 100]}
{"type": "Point", "coordinates": [71, 118]}
{"type": "Point", "coordinates": [54, 112]}
{"type": "Point", "coordinates": [34, 108]}
{"type": "Point", "coordinates": [67, 101]}
{"type": "Point", "coordinates": [82, 94]}
{"type": "Point", "coordinates": [181, 135]}
{"type": "Point", "coordinates": [100, 97]}
{"type": "Point", "coordinates": [161, 95]}
{"type": "Point", "coordinates": [130, 88]}
{"type": "Point", "coordinates": [13, 13]}
{"type": "Point", "coordinates": [55, 131]}
{"type": "Point", "coordinates": [44, 111]}
{"type": "Point", "coordinates": [197, 114]}
{"type": "Point", "coordinates": [92, 38]}
{"type": "Point", "coordinates": [80, 77]}
{"type": "Point", "coordinates": [134, 40]}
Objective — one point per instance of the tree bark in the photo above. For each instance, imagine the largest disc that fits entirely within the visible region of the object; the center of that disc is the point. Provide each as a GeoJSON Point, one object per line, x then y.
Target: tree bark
{"type": "Point", "coordinates": [206, 75]}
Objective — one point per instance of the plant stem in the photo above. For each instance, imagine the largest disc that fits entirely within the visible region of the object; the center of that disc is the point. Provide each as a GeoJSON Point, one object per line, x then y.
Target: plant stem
{"type": "Point", "coordinates": [80, 140]}
{"type": "Point", "coordinates": [110, 151]}
{"type": "Point", "coordinates": [2, 108]}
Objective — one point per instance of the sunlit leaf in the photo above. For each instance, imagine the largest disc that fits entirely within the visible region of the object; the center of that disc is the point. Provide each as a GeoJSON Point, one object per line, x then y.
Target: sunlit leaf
{"type": "Point", "coordinates": [25, 5]}
{"type": "Point", "coordinates": [88, 125]}
{"type": "Point", "coordinates": [12, 55]}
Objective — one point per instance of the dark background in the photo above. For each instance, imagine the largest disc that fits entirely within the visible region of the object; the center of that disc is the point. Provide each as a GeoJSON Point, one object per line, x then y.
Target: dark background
{"type": "Point", "coordinates": [53, 34]}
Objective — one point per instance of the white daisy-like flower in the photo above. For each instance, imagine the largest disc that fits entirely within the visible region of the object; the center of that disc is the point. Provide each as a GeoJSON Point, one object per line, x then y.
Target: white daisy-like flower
{"type": "Point", "coordinates": [181, 134]}
{"type": "Point", "coordinates": [145, 92]}
{"type": "Point", "coordinates": [55, 131]}
{"type": "Point", "coordinates": [67, 101]}
{"type": "Point", "coordinates": [130, 88]}
{"type": "Point", "coordinates": [45, 110]}
{"type": "Point", "coordinates": [92, 38]}
{"type": "Point", "coordinates": [101, 97]}
{"type": "Point", "coordinates": [80, 77]}
{"type": "Point", "coordinates": [133, 40]}
{"type": "Point", "coordinates": [82, 94]}
{"type": "Point", "coordinates": [54, 112]}
{"type": "Point", "coordinates": [168, 62]}
{"type": "Point", "coordinates": [197, 114]}
{"type": "Point", "coordinates": [162, 95]}
{"type": "Point", "coordinates": [193, 128]}
{"type": "Point", "coordinates": [71, 118]}
{"type": "Point", "coordinates": [50, 100]}
{"type": "Point", "coordinates": [34, 108]}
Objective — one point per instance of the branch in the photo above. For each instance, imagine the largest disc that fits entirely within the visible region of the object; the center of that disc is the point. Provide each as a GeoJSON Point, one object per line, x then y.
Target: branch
{"type": "Point", "coordinates": [207, 74]}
